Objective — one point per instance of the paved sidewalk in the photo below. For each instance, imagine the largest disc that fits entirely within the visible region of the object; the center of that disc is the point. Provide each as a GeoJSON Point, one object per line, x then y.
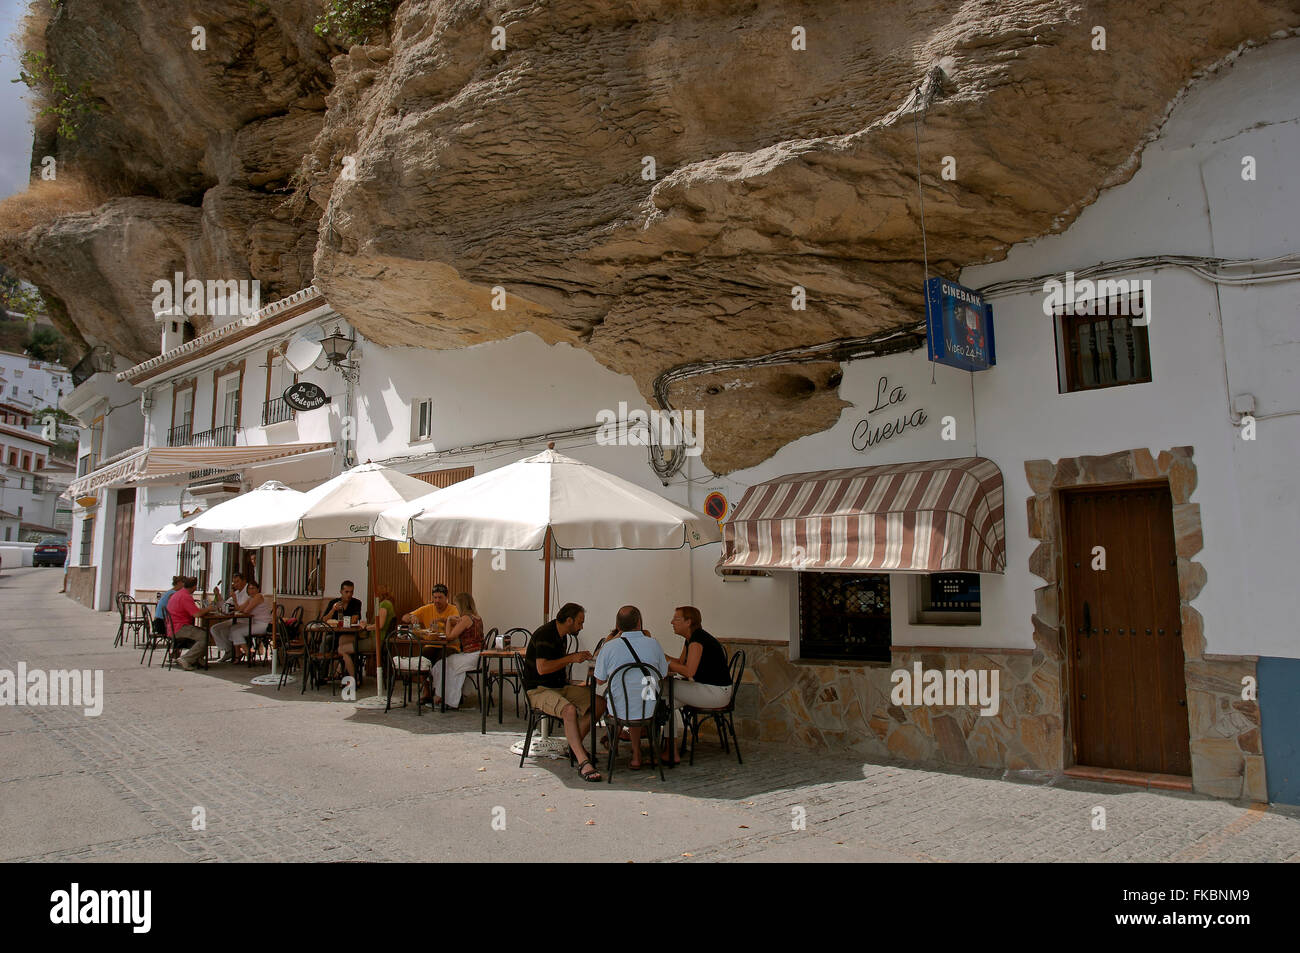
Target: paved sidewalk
{"type": "Point", "coordinates": [286, 776]}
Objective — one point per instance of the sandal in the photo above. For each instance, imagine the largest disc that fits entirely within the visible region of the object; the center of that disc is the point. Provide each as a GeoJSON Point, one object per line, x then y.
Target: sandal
{"type": "Point", "coordinates": [591, 776]}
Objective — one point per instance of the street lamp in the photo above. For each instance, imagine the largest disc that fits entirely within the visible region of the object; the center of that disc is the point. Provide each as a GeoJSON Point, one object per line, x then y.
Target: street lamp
{"type": "Point", "coordinates": [337, 347]}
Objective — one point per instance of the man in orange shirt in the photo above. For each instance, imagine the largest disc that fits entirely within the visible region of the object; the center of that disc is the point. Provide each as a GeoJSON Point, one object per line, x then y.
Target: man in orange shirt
{"type": "Point", "coordinates": [439, 610]}
{"type": "Point", "coordinates": [438, 615]}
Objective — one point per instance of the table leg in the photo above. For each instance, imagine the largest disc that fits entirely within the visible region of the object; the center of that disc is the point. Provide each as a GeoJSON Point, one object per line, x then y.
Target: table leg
{"type": "Point", "coordinates": [591, 682]}
{"type": "Point", "coordinates": [501, 690]}
{"type": "Point", "coordinates": [485, 666]}
{"type": "Point", "coordinates": [444, 679]}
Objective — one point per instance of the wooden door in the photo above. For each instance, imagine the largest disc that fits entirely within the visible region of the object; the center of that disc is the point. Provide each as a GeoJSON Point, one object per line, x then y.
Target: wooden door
{"type": "Point", "coordinates": [1126, 648]}
{"type": "Point", "coordinates": [123, 531]}
{"type": "Point", "coordinates": [413, 575]}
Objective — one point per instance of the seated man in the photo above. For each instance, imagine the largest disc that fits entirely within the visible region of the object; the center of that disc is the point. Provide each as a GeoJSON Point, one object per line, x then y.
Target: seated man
{"type": "Point", "coordinates": [159, 620]}
{"type": "Point", "coordinates": [346, 605]}
{"type": "Point", "coordinates": [439, 610]}
{"type": "Point", "coordinates": [183, 612]}
{"type": "Point", "coordinates": [547, 684]}
{"type": "Point", "coordinates": [631, 644]}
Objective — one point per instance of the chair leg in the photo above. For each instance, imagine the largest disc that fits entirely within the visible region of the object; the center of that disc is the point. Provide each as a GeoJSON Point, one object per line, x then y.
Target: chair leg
{"type": "Point", "coordinates": [528, 740]}
{"type": "Point", "coordinates": [736, 740]}
{"type": "Point", "coordinates": [654, 749]}
{"type": "Point", "coordinates": [613, 745]}
{"type": "Point", "coordinates": [695, 736]}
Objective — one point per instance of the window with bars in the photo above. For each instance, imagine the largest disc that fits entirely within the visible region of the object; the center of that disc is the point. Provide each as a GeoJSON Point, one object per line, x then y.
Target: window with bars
{"type": "Point", "coordinates": [844, 616]}
{"type": "Point", "coordinates": [87, 540]}
{"type": "Point", "coordinates": [1104, 348]}
{"type": "Point", "coordinates": [192, 559]}
{"type": "Point", "coordinates": [300, 571]}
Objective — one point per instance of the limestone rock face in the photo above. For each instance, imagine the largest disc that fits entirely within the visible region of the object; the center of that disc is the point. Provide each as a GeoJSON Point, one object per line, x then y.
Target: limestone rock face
{"type": "Point", "coordinates": [648, 180]}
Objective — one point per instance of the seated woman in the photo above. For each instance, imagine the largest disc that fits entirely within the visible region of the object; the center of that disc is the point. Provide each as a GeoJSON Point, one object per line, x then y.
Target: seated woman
{"type": "Point", "coordinates": [258, 608]}
{"type": "Point", "coordinates": [468, 627]}
{"type": "Point", "coordinates": [385, 620]}
{"type": "Point", "coordinates": [702, 665]}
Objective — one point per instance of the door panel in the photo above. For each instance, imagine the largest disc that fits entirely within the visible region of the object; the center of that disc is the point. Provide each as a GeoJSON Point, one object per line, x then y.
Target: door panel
{"type": "Point", "coordinates": [1128, 685]}
{"type": "Point", "coordinates": [123, 529]}
{"type": "Point", "coordinates": [412, 575]}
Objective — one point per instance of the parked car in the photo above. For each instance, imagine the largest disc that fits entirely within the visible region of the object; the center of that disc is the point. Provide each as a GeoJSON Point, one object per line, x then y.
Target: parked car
{"type": "Point", "coordinates": [50, 552]}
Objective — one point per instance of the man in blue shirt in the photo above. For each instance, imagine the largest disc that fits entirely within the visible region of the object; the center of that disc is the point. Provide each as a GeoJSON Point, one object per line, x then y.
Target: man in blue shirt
{"type": "Point", "coordinates": [630, 643]}
{"type": "Point", "coordinates": [160, 620]}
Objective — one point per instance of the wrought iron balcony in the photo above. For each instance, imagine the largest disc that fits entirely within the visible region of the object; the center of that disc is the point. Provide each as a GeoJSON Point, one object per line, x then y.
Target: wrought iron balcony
{"type": "Point", "coordinates": [216, 437]}
{"type": "Point", "coordinates": [275, 411]}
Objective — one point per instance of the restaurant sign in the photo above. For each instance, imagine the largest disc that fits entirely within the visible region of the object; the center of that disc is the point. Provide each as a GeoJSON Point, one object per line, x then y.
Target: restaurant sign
{"type": "Point", "coordinates": [305, 396]}
{"type": "Point", "coordinates": [958, 326]}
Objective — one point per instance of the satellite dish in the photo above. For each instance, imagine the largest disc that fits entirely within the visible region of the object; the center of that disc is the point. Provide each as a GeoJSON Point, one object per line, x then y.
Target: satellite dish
{"type": "Point", "coordinates": [302, 353]}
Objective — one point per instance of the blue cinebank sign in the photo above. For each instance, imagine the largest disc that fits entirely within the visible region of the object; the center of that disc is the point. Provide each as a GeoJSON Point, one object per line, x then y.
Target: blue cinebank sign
{"type": "Point", "coordinates": [958, 326]}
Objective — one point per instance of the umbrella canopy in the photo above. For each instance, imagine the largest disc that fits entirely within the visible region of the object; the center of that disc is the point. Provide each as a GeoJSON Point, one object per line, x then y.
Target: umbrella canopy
{"type": "Point", "coordinates": [222, 523]}
{"type": "Point", "coordinates": [343, 508]}
{"type": "Point", "coordinates": [513, 507]}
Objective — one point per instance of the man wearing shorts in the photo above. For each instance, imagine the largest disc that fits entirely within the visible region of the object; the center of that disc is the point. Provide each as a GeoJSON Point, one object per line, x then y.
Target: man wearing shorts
{"type": "Point", "coordinates": [546, 681]}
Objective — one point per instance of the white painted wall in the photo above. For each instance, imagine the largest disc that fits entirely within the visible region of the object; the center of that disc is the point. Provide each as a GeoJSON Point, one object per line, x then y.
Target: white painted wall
{"type": "Point", "coordinates": [522, 386]}
{"type": "Point", "coordinates": [1188, 198]}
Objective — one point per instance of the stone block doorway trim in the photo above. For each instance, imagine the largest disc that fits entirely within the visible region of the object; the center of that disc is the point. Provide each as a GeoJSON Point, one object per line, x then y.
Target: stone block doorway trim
{"type": "Point", "coordinates": [1227, 759]}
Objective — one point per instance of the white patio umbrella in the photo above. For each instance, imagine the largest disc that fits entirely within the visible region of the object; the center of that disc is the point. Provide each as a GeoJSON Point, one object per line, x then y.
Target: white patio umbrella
{"type": "Point", "coordinates": [223, 522]}
{"type": "Point", "coordinates": [547, 497]}
{"type": "Point", "coordinates": [343, 509]}
{"type": "Point", "coordinates": [526, 505]}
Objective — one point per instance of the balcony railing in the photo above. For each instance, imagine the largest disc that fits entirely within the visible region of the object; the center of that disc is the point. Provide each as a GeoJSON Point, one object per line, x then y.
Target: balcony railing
{"type": "Point", "coordinates": [276, 411]}
{"type": "Point", "coordinates": [216, 437]}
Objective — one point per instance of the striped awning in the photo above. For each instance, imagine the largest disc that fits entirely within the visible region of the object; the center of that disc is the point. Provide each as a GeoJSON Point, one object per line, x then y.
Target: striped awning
{"type": "Point", "coordinates": [155, 463]}
{"type": "Point", "coordinates": [932, 516]}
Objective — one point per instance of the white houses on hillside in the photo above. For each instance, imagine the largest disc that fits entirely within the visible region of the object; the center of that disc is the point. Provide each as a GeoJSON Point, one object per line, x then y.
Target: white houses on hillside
{"type": "Point", "coordinates": [1122, 487]}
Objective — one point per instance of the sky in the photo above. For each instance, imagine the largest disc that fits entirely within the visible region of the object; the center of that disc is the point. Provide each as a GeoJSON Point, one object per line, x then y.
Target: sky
{"type": "Point", "coordinates": [15, 126]}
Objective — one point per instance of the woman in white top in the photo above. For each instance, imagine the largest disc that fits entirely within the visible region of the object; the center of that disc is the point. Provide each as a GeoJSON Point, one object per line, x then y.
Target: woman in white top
{"type": "Point", "coordinates": [258, 608]}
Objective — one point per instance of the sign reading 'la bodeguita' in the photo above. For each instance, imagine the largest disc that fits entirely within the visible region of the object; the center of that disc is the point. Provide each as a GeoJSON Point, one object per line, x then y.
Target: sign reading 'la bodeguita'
{"type": "Point", "coordinates": [305, 396]}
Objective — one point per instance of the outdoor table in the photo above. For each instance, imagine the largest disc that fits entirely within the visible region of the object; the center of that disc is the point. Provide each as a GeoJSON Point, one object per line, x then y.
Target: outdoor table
{"type": "Point", "coordinates": [485, 658]}
{"type": "Point", "coordinates": [442, 643]}
{"type": "Point", "coordinates": [212, 617]}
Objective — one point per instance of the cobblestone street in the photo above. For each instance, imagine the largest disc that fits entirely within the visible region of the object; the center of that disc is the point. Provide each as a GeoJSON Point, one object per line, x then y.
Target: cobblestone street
{"type": "Point", "coordinates": [286, 776]}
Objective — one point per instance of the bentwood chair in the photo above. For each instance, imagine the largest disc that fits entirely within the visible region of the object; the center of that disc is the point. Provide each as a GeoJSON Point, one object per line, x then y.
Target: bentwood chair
{"type": "Point", "coordinates": [536, 716]}
{"type": "Point", "coordinates": [121, 600]}
{"type": "Point", "coordinates": [509, 676]}
{"type": "Point", "coordinates": [142, 624]}
{"type": "Point", "coordinates": [723, 718]}
{"type": "Point", "coordinates": [407, 664]}
{"type": "Point", "coordinates": [322, 659]}
{"type": "Point", "coordinates": [640, 688]}
{"type": "Point", "coordinates": [291, 648]}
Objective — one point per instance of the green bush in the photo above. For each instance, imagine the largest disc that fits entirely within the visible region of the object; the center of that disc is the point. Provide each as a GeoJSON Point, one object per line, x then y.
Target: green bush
{"type": "Point", "coordinates": [355, 20]}
{"type": "Point", "coordinates": [70, 106]}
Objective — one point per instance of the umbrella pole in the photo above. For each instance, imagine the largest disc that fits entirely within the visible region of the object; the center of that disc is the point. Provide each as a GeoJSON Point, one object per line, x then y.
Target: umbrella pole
{"type": "Point", "coordinates": [546, 582]}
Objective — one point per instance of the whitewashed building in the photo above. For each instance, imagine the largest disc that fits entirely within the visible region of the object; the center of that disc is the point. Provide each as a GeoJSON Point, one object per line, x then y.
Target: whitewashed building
{"type": "Point", "coordinates": [1121, 487]}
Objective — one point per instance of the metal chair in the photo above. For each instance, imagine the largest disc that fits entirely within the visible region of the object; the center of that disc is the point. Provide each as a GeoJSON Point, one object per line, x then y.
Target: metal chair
{"type": "Point", "coordinates": [535, 715]}
{"type": "Point", "coordinates": [322, 657]}
{"type": "Point", "coordinates": [292, 649]}
{"type": "Point", "coordinates": [407, 663]}
{"type": "Point", "coordinates": [640, 686]}
{"type": "Point", "coordinates": [121, 599]}
{"type": "Point", "coordinates": [518, 639]}
{"type": "Point", "coordinates": [142, 625]}
{"type": "Point", "coordinates": [723, 718]}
